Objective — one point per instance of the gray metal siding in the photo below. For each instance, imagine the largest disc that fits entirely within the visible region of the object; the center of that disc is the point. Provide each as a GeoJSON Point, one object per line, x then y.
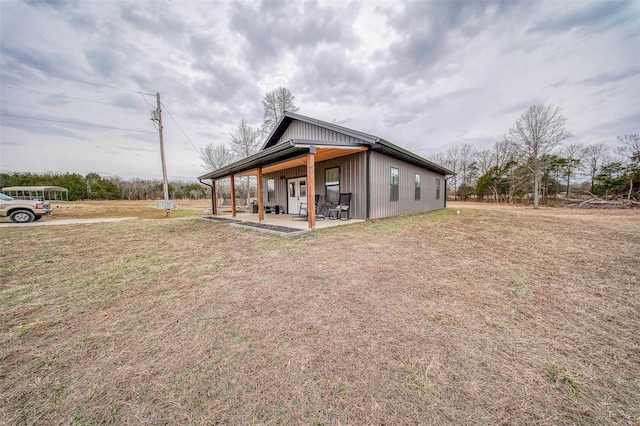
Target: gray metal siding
{"type": "Point", "coordinates": [381, 206]}
{"type": "Point", "coordinates": [352, 179]}
{"type": "Point", "coordinates": [280, 179]}
{"type": "Point", "coordinates": [301, 130]}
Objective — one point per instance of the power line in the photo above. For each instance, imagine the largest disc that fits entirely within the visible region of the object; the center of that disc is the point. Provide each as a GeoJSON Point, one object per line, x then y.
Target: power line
{"type": "Point", "coordinates": [146, 101]}
{"type": "Point", "coordinates": [75, 123]}
{"type": "Point", "coordinates": [183, 132]}
{"type": "Point", "coordinates": [70, 97]}
{"type": "Point", "coordinates": [73, 79]}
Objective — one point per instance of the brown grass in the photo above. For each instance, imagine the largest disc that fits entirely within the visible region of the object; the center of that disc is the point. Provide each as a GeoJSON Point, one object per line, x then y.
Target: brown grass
{"type": "Point", "coordinates": [140, 209]}
{"type": "Point", "coordinates": [492, 316]}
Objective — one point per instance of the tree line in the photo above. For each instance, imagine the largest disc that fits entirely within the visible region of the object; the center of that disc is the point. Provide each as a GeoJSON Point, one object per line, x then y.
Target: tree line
{"type": "Point", "coordinates": [95, 187]}
{"type": "Point", "coordinates": [534, 161]}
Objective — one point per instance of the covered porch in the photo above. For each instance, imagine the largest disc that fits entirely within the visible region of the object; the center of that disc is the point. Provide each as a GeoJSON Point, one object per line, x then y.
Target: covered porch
{"type": "Point", "coordinates": [281, 163]}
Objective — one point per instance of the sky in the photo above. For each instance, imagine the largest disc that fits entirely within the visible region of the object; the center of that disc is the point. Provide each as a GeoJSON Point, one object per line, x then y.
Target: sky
{"type": "Point", "coordinates": [425, 75]}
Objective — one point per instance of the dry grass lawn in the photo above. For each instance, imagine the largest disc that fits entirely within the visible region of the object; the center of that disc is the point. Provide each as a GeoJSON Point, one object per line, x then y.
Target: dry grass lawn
{"type": "Point", "coordinates": [140, 209]}
{"type": "Point", "coordinates": [496, 315]}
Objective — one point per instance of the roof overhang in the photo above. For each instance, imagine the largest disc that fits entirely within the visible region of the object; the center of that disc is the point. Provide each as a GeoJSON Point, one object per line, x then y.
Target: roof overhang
{"type": "Point", "coordinates": [284, 156]}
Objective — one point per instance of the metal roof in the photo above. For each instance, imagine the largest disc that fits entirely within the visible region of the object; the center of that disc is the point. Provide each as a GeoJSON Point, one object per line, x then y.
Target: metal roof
{"type": "Point", "coordinates": [288, 117]}
{"type": "Point", "coordinates": [272, 152]}
{"type": "Point", "coordinates": [35, 188]}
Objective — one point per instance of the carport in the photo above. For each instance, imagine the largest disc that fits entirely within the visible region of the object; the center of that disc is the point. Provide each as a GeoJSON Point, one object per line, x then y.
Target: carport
{"type": "Point", "coordinates": [44, 193]}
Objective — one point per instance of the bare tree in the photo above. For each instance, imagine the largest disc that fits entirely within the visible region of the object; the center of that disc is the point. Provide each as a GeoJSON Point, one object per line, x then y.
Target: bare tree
{"type": "Point", "coordinates": [452, 162]}
{"type": "Point", "coordinates": [215, 157]}
{"type": "Point", "coordinates": [572, 154]}
{"type": "Point", "coordinates": [485, 160]}
{"type": "Point", "coordinates": [439, 158]}
{"type": "Point", "coordinates": [595, 156]}
{"type": "Point", "coordinates": [466, 156]}
{"type": "Point", "coordinates": [537, 132]}
{"type": "Point", "coordinates": [275, 103]}
{"type": "Point", "coordinates": [504, 152]}
{"type": "Point", "coordinates": [245, 141]}
{"type": "Point", "coordinates": [630, 149]}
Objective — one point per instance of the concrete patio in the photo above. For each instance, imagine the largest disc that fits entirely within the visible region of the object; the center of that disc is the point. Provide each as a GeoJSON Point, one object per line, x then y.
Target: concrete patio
{"type": "Point", "coordinates": [289, 221]}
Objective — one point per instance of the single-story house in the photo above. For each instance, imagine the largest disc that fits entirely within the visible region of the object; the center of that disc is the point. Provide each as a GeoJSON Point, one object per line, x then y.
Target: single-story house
{"type": "Point", "coordinates": [304, 157]}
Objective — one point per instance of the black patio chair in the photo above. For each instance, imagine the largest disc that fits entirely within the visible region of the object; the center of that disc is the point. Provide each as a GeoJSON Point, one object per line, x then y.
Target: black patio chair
{"type": "Point", "coordinates": [342, 209]}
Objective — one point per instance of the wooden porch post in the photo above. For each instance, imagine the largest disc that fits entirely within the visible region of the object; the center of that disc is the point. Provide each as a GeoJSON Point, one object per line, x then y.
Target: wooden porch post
{"type": "Point", "coordinates": [214, 198]}
{"type": "Point", "coordinates": [260, 197]}
{"type": "Point", "coordinates": [311, 189]}
{"type": "Point", "coordinates": [233, 196]}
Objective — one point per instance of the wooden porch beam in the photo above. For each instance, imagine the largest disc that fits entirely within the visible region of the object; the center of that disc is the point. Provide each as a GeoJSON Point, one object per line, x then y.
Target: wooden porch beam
{"type": "Point", "coordinates": [233, 196]}
{"type": "Point", "coordinates": [260, 197]}
{"type": "Point", "coordinates": [311, 190]}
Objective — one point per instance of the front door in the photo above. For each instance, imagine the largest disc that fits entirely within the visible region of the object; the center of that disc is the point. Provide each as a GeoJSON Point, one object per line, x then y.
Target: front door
{"type": "Point", "coordinates": [297, 193]}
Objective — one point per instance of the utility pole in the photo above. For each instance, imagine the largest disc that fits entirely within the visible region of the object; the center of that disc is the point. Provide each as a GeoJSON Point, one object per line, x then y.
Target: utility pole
{"type": "Point", "coordinates": [165, 184]}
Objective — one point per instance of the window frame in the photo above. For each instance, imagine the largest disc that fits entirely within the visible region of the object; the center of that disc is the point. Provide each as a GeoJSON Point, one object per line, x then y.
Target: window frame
{"type": "Point", "coordinates": [333, 185]}
{"type": "Point", "coordinates": [437, 188]}
{"type": "Point", "coordinates": [271, 190]}
{"type": "Point", "coordinates": [394, 188]}
{"type": "Point", "coordinates": [417, 187]}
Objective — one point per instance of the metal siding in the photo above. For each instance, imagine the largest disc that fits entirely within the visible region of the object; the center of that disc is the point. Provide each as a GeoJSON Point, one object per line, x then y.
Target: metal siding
{"type": "Point", "coordinates": [301, 130]}
{"type": "Point", "coordinates": [381, 206]}
{"type": "Point", "coordinates": [352, 179]}
{"type": "Point", "coordinates": [280, 179]}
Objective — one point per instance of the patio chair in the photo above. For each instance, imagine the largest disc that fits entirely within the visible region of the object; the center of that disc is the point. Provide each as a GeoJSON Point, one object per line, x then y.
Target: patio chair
{"type": "Point", "coordinates": [341, 210]}
{"type": "Point", "coordinates": [303, 211]}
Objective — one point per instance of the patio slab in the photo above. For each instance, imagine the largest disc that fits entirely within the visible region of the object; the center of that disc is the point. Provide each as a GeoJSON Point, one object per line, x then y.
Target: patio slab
{"type": "Point", "coordinates": [290, 221]}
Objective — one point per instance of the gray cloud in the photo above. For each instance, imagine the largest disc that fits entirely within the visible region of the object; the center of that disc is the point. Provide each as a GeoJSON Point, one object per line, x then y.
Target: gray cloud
{"type": "Point", "coordinates": [331, 77]}
{"type": "Point", "coordinates": [42, 128]}
{"type": "Point", "coordinates": [519, 107]}
{"type": "Point", "coordinates": [426, 32]}
{"type": "Point", "coordinates": [69, 11]}
{"type": "Point", "coordinates": [612, 127]}
{"type": "Point", "coordinates": [276, 27]}
{"type": "Point", "coordinates": [21, 57]}
{"type": "Point", "coordinates": [156, 19]}
{"type": "Point", "coordinates": [610, 77]}
{"type": "Point", "coordinates": [102, 62]}
{"type": "Point", "coordinates": [599, 16]}
{"type": "Point", "coordinates": [58, 5]}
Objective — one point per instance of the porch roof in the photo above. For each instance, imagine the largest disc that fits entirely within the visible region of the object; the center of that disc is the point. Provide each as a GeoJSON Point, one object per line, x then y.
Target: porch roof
{"type": "Point", "coordinates": [281, 153]}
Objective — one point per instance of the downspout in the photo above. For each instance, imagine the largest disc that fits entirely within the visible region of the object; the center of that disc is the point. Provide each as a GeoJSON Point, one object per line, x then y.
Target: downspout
{"type": "Point", "coordinates": [212, 200]}
{"type": "Point", "coordinates": [368, 183]}
{"type": "Point", "coordinates": [445, 191]}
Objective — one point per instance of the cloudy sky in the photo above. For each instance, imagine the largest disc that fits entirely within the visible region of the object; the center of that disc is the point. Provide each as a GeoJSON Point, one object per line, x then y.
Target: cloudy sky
{"type": "Point", "coordinates": [424, 75]}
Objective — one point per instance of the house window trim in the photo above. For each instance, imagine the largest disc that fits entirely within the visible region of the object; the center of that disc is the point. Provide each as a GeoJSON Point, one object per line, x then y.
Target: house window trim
{"type": "Point", "coordinates": [437, 188]}
{"type": "Point", "coordinates": [271, 193]}
{"type": "Point", "coordinates": [326, 187]}
{"type": "Point", "coordinates": [418, 187]}
{"type": "Point", "coordinates": [394, 189]}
